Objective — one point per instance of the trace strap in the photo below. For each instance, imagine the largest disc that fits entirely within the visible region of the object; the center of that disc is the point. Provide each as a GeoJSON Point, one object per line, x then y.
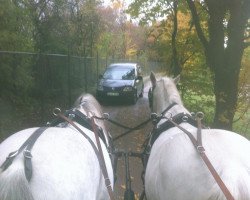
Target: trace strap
{"type": "Point", "coordinates": [198, 145]}
{"type": "Point", "coordinates": [26, 148]}
{"type": "Point", "coordinates": [102, 161]}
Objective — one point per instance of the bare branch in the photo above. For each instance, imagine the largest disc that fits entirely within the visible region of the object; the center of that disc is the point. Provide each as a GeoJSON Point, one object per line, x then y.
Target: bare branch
{"type": "Point", "coordinates": [197, 24]}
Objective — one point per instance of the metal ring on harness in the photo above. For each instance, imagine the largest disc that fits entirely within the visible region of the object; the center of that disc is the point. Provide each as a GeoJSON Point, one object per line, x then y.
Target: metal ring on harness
{"type": "Point", "coordinates": [185, 118]}
{"type": "Point", "coordinates": [12, 154]}
{"type": "Point", "coordinates": [56, 111]}
{"type": "Point", "coordinates": [199, 115]}
{"type": "Point", "coordinates": [168, 115]}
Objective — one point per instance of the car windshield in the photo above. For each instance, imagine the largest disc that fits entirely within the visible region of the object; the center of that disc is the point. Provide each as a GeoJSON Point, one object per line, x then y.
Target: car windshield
{"type": "Point", "coordinates": [119, 73]}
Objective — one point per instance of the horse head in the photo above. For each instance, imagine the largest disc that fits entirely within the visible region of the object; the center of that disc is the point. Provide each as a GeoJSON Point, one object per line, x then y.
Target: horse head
{"type": "Point", "coordinates": [89, 106]}
{"type": "Point", "coordinates": [164, 94]}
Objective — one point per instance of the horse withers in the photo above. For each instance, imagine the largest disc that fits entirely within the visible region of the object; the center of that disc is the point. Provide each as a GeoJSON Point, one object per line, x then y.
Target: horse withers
{"type": "Point", "coordinates": [64, 163]}
{"type": "Point", "coordinates": [176, 171]}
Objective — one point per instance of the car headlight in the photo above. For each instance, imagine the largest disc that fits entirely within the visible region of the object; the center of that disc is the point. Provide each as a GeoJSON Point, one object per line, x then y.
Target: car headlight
{"type": "Point", "coordinates": [100, 88]}
{"type": "Point", "coordinates": [128, 89]}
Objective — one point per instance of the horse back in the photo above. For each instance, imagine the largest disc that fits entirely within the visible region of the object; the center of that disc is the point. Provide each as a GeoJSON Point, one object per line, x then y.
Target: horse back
{"type": "Point", "coordinates": [64, 163]}
{"type": "Point", "coordinates": [178, 172]}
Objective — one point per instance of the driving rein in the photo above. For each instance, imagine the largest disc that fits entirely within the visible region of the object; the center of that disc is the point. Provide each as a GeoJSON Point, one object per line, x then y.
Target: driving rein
{"type": "Point", "coordinates": [175, 121]}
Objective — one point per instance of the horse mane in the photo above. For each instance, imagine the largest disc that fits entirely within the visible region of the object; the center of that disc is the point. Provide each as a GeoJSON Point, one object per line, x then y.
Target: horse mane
{"type": "Point", "coordinates": [172, 91]}
{"type": "Point", "coordinates": [88, 103]}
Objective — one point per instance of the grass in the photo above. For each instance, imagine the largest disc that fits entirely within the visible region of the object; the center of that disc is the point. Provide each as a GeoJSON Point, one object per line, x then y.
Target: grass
{"type": "Point", "coordinates": [206, 104]}
{"type": "Point", "coordinates": [242, 126]}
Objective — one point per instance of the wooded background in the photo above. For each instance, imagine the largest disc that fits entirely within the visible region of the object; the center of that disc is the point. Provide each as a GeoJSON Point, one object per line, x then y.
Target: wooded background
{"type": "Point", "coordinates": [47, 45]}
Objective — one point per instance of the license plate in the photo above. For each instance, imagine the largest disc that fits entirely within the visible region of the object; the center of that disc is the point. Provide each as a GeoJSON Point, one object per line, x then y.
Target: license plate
{"type": "Point", "coordinates": [113, 94]}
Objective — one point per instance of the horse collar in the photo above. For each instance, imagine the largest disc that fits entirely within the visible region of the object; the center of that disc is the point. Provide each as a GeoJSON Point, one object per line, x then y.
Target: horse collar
{"type": "Point", "coordinates": [74, 115]}
{"type": "Point", "coordinates": [178, 119]}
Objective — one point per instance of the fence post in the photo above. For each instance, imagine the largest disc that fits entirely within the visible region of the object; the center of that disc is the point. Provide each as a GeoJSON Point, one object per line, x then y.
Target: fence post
{"type": "Point", "coordinates": [97, 66]}
{"type": "Point", "coordinates": [69, 80]}
{"type": "Point", "coordinates": [42, 85]}
{"type": "Point", "coordinates": [85, 73]}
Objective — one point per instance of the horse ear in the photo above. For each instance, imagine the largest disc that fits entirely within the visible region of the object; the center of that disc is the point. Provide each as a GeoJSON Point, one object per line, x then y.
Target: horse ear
{"type": "Point", "coordinates": [153, 79]}
{"type": "Point", "coordinates": [177, 79]}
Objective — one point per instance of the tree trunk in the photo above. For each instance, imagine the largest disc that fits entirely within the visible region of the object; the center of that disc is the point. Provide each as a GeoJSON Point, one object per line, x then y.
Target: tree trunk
{"type": "Point", "coordinates": [224, 57]}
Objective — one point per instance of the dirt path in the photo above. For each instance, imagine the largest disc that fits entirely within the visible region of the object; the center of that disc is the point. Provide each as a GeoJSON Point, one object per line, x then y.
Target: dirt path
{"type": "Point", "coordinates": [129, 115]}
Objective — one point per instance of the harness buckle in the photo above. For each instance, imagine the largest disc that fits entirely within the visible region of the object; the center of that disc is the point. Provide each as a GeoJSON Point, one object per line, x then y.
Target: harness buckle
{"type": "Point", "coordinates": [154, 117]}
{"type": "Point", "coordinates": [200, 149]}
{"type": "Point", "coordinates": [185, 118]}
{"type": "Point", "coordinates": [27, 154]}
{"type": "Point", "coordinates": [199, 115]}
{"type": "Point", "coordinates": [72, 116]}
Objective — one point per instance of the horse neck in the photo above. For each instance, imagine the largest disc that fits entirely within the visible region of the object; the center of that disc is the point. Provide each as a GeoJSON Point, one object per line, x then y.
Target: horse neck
{"type": "Point", "coordinates": [98, 122]}
{"type": "Point", "coordinates": [178, 108]}
{"type": "Point", "coordinates": [168, 97]}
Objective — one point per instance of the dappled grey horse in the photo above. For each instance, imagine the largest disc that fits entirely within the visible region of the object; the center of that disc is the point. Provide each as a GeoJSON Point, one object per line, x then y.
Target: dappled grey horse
{"type": "Point", "coordinates": [64, 163]}
{"type": "Point", "coordinates": [176, 171]}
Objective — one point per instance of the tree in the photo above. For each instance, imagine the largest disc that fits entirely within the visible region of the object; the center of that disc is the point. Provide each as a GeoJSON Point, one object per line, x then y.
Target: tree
{"type": "Point", "coordinates": [120, 38]}
{"type": "Point", "coordinates": [223, 47]}
{"type": "Point", "coordinates": [15, 35]}
{"type": "Point", "coordinates": [61, 26]}
{"type": "Point", "coordinates": [224, 38]}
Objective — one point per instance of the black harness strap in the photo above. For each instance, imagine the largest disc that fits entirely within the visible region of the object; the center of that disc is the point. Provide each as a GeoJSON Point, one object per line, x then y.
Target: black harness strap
{"type": "Point", "coordinates": [77, 116]}
{"type": "Point", "coordinates": [179, 118]}
{"type": "Point", "coordinates": [27, 145]}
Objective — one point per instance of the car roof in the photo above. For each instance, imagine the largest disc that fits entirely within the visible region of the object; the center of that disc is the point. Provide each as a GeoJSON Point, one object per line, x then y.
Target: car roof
{"type": "Point", "coordinates": [125, 65]}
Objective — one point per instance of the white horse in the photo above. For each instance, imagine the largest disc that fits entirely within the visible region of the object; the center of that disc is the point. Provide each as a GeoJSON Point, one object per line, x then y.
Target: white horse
{"type": "Point", "coordinates": [65, 166]}
{"type": "Point", "coordinates": [175, 170]}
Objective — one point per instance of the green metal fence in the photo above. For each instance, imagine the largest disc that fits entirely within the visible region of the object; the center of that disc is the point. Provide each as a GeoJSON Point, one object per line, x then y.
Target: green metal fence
{"type": "Point", "coordinates": [32, 84]}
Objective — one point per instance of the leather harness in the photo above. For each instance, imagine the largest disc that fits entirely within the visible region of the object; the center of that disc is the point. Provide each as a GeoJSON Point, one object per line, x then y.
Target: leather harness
{"type": "Point", "coordinates": [175, 121]}
{"type": "Point", "coordinates": [78, 117]}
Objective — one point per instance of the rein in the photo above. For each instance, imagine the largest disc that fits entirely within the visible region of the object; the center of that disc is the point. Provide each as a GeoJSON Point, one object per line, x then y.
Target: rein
{"type": "Point", "coordinates": [123, 126]}
{"type": "Point", "coordinates": [87, 122]}
{"type": "Point", "coordinates": [98, 150]}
